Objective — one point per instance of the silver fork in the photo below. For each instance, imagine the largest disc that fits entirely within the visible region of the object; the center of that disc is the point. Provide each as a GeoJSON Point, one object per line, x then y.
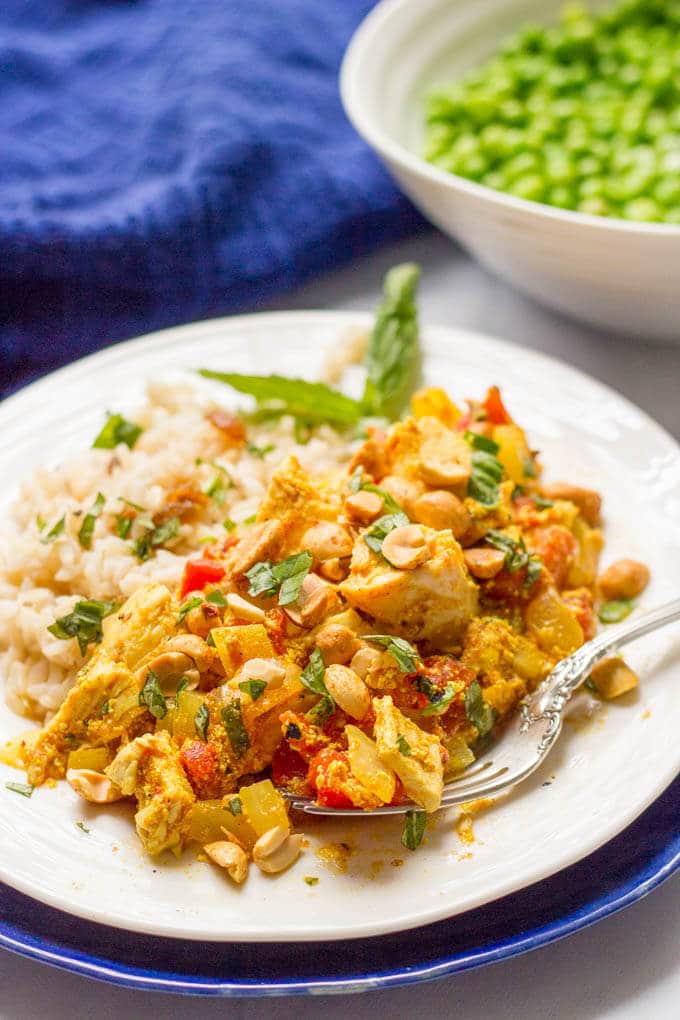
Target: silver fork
{"type": "Point", "coordinates": [534, 730]}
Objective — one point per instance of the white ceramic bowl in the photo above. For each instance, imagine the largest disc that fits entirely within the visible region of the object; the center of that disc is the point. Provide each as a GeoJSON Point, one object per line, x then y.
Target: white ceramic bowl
{"type": "Point", "coordinates": [618, 274]}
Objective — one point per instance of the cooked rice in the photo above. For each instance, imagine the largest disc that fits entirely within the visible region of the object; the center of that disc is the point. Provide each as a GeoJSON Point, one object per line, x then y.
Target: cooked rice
{"type": "Point", "coordinates": [40, 582]}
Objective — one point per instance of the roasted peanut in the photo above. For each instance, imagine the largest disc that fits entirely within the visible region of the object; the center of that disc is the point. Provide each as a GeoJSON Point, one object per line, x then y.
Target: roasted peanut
{"type": "Point", "coordinates": [328, 541]}
{"type": "Point", "coordinates": [365, 660]}
{"type": "Point", "coordinates": [406, 548]}
{"type": "Point", "coordinates": [337, 643]}
{"type": "Point", "coordinates": [201, 619]}
{"type": "Point", "coordinates": [364, 507]}
{"type": "Point", "coordinates": [269, 670]}
{"type": "Point", "coordinates": [335, 570]}
{"type": "Point", "coordinates": [588, 501]}
{"type": "Point", "coordinates": [612, 678]}
{"type": "Point", "coordinates": [404, 490]}
{"type": "Point", "coordinates": [276, 850]}
{"type": "Point", "coordinates": [443, 461]}
{"type": "Point", "coordinates": [93, 786]}
{"type": "Point", "coordinates": [229, 856]}
{"type": "Point", "coordinates": [316, 601]}
{"type": "Point", "coordinates": [442, 510]}
{"type": "Point", "coordinates": [484, 563]}
{"type": "Point", "coordinates": [624, 579]}
{"type": "Point", "coordinates": [348, 690]}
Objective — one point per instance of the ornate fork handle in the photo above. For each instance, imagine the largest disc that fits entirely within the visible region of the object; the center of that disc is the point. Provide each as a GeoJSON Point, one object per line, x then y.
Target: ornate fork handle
{"type": "Point", "coordinates": [548, 701]}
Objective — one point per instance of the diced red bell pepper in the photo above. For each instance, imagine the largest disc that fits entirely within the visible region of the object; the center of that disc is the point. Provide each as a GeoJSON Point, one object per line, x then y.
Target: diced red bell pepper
{"type": "Point", "coordinates": [198, 573]}
{"type": "Point", "coordinates": [287, 764]}
{"type": "Point", "coordinates": [200, 763]}
{"type": "Point", "coordinates": [495, 409]}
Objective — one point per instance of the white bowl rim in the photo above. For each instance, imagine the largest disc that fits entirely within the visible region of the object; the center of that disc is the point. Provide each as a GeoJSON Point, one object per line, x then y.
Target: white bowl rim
{"type": "Point", "coordinates": [358, 53]}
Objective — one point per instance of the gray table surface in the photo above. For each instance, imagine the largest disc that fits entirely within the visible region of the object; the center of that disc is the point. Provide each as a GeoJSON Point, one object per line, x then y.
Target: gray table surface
{"type": "Point", "coordinates": [625, 968]}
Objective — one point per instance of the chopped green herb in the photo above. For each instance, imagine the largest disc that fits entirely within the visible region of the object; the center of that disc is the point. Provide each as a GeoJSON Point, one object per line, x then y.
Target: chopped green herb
{"type": "Point", "coordinates": [235, 806]}
{"type": "Point", "coordinates": [528, 467]}
{"type": "Point", "coordinates": [259, 451]}
{"type": "Point", "coordinates": [290, 573]}
{"type": "Point", "coordinates": [313, 402]}
{"type": "Point", "coordinates": [55, 531]}
{"type": "Point", "coordinates": [84, 622]}
{"type": "Point", "coordinates": [487, 472]}
{"type": "Point", "coordinates": [615, 610]}
{"type": "Point", "coordinates": [228, 524]}
{"type": "Point", "coordinates": [217, 598]}
{"type": "Point", "coordinates": [106, 707]}
{"type": "Point", "coordinates": [201, 720]}
{"type": "Point", "coordinates": [479, 442]}
{"type": "Point", "coordinates": [133, 506]}
{"type": "Point", "coordinates": [478, 711]}
{"type": "Point", "coordinates": [186, 607]}
{"type": "Point", "coordinates": [406, 656]}
{"type": "Point", "coordinates": [414, 829]}
{"type": "Point", "coordinates": [216, 490]}
{"type": "Point", "coordinates": [87, 527]}
{"type": "Point", "coordinates": [210, 640]}
{"type": "Point", "coordinates": [151, 695]}
{"type": "Point", "coordinates": [23, 788]}
{"type": "Point", "coordinates": [253, 688]}
{"type": "Point", "coordinates": [321, 711]}
{"type": "Point", "coordinates": [392, 353]}
{"type": "Point", "coordinates": [234, 728]}
{"type": "Point", "coordinates": [380, 529]}
{"type": "Point", "coordinates": [181, 686]}
{"type": "Point", "coordinates": [81, 825]}
{"type": "Point", "coordinates": [516, 555]}
{"type": "Point", "coordinates": [249, 520]}
{"type": "Point", "coordinates": [123, 526]}
{"type": "Point", "coordinates": [403, 745]}
{"type": "Point", "coordinates": [117, 430]}
{"type": "Point", "coordinates": [144, 546]}
{"type": "Point", "coordinates": [312, 676]}
{"type": "Point", "coordinates": [541, 502]}
{"type": "Point", "coordinates": [40, 521]}
{"type": "Point", "coordinates": [440, 705]}
{"type": "Point", "coordinates": [311, 880]}
{"type": "Point", "coordinates": [261, 581]}
{"type": "Point", "coordinates": [285, 577]}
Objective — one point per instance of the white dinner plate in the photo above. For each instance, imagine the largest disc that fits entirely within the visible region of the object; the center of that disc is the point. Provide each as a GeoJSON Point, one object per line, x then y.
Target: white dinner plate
{"type": "Point", "coordinates": [605, 770]}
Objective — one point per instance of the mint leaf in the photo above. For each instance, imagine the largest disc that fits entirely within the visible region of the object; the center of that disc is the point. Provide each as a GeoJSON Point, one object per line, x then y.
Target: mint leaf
{"type": "Point", "coordinates": [391, 358]}
{"type": "Point", "coordinates": [314, 402]}
{"type": "Point", "coordinates": [414, 829]}
{"type": "Point", "coordinates": [117, 430]}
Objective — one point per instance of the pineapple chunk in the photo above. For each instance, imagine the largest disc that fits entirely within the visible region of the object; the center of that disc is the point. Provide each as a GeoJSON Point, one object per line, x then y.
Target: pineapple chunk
{"type": "Point", "coordinates": [236, 645]}
{"type": "Point", "coordinates": [264, 807]}
{"type": "Point", "coordinates": [366, 766]}
{"type": "Point", "coordinates": [613, 677]}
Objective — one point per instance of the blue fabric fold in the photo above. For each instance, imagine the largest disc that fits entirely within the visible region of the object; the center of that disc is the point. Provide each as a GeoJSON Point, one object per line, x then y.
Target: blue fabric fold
{"type": "Point", "coordinates": [166, 161]}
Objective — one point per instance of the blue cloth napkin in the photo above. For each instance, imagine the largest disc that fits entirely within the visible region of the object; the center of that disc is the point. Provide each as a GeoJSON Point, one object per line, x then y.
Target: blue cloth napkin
{"type": "Point", "coordinates": [164, 161]}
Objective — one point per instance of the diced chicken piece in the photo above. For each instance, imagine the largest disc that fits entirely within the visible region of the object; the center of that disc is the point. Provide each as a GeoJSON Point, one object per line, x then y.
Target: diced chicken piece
{"type": "Point", "coordinates": [298, 502]}
{"type": "Point", "coordinates": [421, 769]}
{"type": "Point", "coordinates": [149, 769]}
{"type": "Point", "coordinates": [433, 602]}
{"type": "Point", "coordinates": [104, 705]}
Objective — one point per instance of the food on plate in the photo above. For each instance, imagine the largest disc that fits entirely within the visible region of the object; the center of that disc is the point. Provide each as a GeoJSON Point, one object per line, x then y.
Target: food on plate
{"type": "Point", "coordinates": [211, 610]}
{"type": "Point", "coordinates": [581, 115]}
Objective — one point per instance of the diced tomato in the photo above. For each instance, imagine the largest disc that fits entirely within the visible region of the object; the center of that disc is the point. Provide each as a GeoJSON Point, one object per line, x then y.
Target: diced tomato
{"type": "Point", "coordinates": [330, 798]}
{"type": "Point", "coordinates": [276, 623]}
{"type": "Point", "coordinates": [198, 573]}
{"type": "Point", "coordinates": [495, 409]}
{"type": "Point", "coordinates": [399, 793]}
{"type": "Point", "coordinates": [557, 548]}
{"type": "Point", "coordinates": [287, 764]}
{"type": "Point", "coordinates": [199, 761]}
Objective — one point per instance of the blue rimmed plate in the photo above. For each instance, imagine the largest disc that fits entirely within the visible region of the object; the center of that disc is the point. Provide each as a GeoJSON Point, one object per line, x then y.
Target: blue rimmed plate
{"type": "Point", "coordinates": [618, 874]}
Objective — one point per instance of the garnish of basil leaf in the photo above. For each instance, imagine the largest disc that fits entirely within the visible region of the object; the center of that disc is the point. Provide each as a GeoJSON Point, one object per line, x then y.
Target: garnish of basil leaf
{"type": "Point", "coordinates": [313, 678]}
{"type": "Point", "coordinates": [406, 656]}
{"type": "Point", "coordinates": [403, 745]}
{"type": "Point", "coordinates": [87, 527]}
{"type": "Point", "coordinates": [235, 806]}
{"type": "Point", "coordinates": [380, 529]}
{"type": "Point", "coordinates": [615, 610]}
{"type": "Point", "coordinates": [392, 353]}
{"type": "Point", "coordinates": [440, 706]}
{"type": "Point", "coordinates": [151, 695]}
{"type": "Point", "coordinates": [414, 829]}
{"type": "Point", "coordinates": [478, 712]}
{"type": "Point", "coordinates": [357, 484]}
{"type": "Point", "coordinates": [144, 546]}
{"type": "Point", "coordinates": [235, 729]}
{"type": "Point", "coordinates": [84, 622]}
{"type": "Point", "coordinates": [186, 607]}
{"type": "Point", "coordinates": [253, 688]}
{"type": "Point", "coordinates": [314, 402]}
{"type": "Point", "coordinates": [117, 430]}
{"type": "Point", "coordinates": [285, 577]}
{"type": "Point", "coordinates": [216, 598]}
{"type": "Point", "coordinates": [517, 556]}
